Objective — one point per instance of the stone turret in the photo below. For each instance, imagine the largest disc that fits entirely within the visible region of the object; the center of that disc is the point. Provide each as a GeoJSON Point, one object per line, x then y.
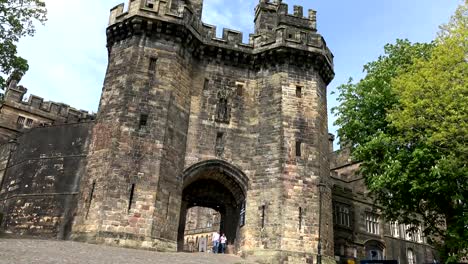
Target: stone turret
{"type": "Point", "coordinates": [269, 16]}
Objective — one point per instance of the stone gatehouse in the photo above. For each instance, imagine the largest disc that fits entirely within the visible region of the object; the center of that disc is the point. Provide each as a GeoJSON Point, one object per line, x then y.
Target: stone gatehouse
{"type": "Point", "coordinates": [187, 120]}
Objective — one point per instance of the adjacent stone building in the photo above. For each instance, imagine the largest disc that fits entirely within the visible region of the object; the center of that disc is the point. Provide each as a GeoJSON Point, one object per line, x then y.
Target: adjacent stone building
{"type": "Point", "coordinates": [188, 120]}
{"type": "Point", "coordinates": [359, 230]}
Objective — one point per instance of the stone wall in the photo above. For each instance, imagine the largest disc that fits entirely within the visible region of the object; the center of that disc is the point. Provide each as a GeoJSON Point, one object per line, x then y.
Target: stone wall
{"type": "Point", "coordinates": [38, 195]}
{"type": "Point", "coordinates": [177, 98]}
{"type": "Point", "coordinates": [140, 135]}
{"type": "Point", "coordinates": [17, 115]}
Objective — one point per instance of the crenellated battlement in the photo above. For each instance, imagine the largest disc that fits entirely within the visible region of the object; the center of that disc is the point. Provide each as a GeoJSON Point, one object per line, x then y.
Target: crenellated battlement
{"type": "Point", "coordinates": [275, 27]}
{"type": "Point", "coordinates": [34, 104]}
{"type": "Point", "coordinates": [279, 11]}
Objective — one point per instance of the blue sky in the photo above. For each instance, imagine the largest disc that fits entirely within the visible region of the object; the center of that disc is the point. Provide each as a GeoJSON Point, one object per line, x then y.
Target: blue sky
{"type": "Point", "coordinates": [68, 55]}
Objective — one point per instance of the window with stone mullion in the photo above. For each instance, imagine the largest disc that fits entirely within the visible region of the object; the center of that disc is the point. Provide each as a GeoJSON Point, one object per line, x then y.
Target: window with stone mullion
{"type": "Point", "coordinates": [372, 223]}
{"type": "Point", "coordinates": [342, 215]}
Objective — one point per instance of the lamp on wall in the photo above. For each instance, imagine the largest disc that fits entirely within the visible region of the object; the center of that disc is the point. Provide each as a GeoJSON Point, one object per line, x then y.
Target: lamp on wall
{"type": "Point", "coordinates": [321, 188]}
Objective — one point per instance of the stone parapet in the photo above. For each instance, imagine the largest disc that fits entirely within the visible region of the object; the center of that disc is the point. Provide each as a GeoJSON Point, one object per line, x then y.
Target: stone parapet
{"type": "Point", "coordinates": [49, 109]}
{"type": "Point", "coordinates": [288, 35]}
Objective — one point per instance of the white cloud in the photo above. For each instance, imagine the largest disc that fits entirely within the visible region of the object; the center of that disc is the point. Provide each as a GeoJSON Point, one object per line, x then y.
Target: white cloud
{"type": "Point", "coordinates": [68, 56]}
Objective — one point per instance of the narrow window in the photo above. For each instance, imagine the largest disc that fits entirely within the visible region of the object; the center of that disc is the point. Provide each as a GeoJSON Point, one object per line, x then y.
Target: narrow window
{"type": "Point", "coordinates": [411, 258]}
{"type": "Point", "coordinates": [240, 90]}
{"type": "Point", "coordinates": [298, 91]}
{"type": "Point", "coordinates": [152, 64]}
{"type": "Point", "coordinates": [170, 136]}
{"type": "Point", "coordinates": [143, 121]}
{"type": "Point", "coordinates": [167, 206]}
{"type": "Point", "coordinates": [20, 120]}
{"type": "Point", "coordinates": [130, 200]}
{"type": "Point", "coordinates": [290, 36]}
{"type": "Point", "coordinates": [395, 229]}
{"type": "Point", "coordinates": [298, 149]}
{"type": "Point", "coordinates": [206, 84]}
{"type": "Point", "coordinates": [91, 194]}
{"type": "Point", "coordinates": [242, 215]}
{"type": "Point", "coordinates": [219, 148]}
{"type": "Point", "coordinates": [372, 223]}
{"type": "Point", "coordinates": [263, 216]}
{"type": "Point", "coordinates": [300, 218]}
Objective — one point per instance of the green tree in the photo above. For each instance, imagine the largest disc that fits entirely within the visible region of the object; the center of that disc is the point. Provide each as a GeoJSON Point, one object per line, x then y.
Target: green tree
{"type": "Point", "coordinates": [17, 20]}
{"type": "Point", "coordinates": [406, 122]}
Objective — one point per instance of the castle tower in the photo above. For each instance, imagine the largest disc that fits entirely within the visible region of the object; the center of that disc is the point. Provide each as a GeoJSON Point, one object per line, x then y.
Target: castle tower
{"type": "Point", "coordinates": [187, 119]}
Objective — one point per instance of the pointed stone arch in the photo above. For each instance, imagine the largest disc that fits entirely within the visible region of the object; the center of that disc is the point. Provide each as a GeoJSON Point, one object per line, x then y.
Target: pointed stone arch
{"type": "Point", "coordinates": [215, 184]}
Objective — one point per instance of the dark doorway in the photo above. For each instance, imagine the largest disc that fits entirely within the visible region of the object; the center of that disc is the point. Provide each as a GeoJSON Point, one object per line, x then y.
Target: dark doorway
{"type": "Point", "coordinates": [218, 186]}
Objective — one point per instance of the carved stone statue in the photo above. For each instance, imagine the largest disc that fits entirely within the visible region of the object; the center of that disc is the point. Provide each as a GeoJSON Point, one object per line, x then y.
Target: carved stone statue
{"type": "Point", "coordinates": [223, 110]}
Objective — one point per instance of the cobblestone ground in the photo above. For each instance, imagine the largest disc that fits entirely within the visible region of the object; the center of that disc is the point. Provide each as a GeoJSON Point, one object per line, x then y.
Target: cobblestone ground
{"type": "Point", "coordinates": [27, 251]}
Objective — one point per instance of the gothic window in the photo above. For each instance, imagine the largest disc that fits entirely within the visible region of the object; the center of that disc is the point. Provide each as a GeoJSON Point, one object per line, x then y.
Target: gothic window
{"type": "Point", "coordinates": [374, 250]}
{"type": "Point", "coordinates": [21, 120]}
{"type": "Point", "coordinates": [29, 122]}
{"type": "Point", "coordinates": [372, 223]}
{"type": "Point", "coordinates": [418, 235]}
{"type": "Point", "coordinates": [395, 229]}
{"type": "Point", "coordinates": [341, 214]}
{"type": "Point", "coordinates": [411, 258]}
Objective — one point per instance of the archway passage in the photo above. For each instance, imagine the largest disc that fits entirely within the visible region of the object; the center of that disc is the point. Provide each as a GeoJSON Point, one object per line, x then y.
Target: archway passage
{"type": "Point", "coordinates": [200, 224]}
{"type": "Point", "coordinates": [217, 185]}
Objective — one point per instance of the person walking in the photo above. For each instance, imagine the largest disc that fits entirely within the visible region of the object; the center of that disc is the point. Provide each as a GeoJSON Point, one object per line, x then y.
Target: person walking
{"type": "Point", "coordinates": [215, 239]}
{"type": "Point", "coordinates": [223, 240]}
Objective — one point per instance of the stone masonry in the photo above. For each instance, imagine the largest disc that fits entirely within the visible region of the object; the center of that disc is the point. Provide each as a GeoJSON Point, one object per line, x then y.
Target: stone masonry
{"type": "Point", "coordinates": [195, 134]}
{"type": "Point", "coordinates": [189, 119]}
{"type": "Point", "coordinates": [17, 116]}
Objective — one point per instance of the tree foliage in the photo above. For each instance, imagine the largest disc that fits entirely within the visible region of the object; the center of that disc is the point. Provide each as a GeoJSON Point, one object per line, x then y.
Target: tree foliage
{"type": "Point", "coordinates": [406, 122]}
{"type": "Point", "coordinates": [17, 20]}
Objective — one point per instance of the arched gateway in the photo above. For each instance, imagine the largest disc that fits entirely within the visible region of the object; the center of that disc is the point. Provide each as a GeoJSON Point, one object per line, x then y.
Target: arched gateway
{"type": "Point", "coordinates": [174, 95]}
{"type": "Point", "coordinates": [220, 186]}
